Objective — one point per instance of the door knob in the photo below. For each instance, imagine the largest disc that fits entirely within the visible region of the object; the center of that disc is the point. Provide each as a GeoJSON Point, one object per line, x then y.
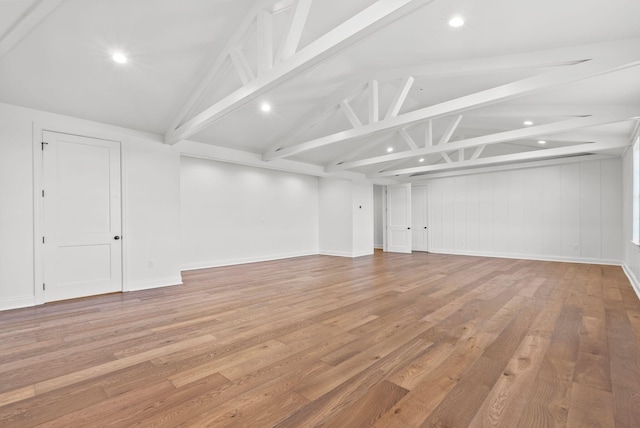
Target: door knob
{"type": "Point", "coordinates": [408, 228]}
{"type": "Point", "coordinates": [116, 237]}
{"type": "Point", "coordinates": [425, 227]}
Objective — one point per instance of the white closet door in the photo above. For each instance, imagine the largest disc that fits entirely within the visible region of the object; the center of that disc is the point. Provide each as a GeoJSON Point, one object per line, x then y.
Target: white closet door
{"type": "Point", "coordinates": [82, 216]}
{"type": "Point", "coordinates": [399, 218]}
{"type": "Point", "coordinates": [419, 226]}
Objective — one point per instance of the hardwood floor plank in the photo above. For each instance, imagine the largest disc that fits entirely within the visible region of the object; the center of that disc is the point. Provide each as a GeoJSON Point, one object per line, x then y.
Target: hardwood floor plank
{"type": "Point", "coordinates": [389, 340]}
{"type": "Point", "coordinates": [505, 401]}
{"type": "Point", "coordinates": [549, 398]}
{"type": "Point", "coordinates": [590, 407]}
{"type": "Point", "coordinates": [364, 412]}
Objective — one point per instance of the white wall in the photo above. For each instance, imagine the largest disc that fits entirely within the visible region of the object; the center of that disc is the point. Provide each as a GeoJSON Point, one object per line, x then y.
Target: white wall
{"type": "Point", "coordinates": [560, 212]}
{"type": "Point", "coordinates": [346, 217]}
{"type": "Point", "coordinates": [336, 225]}
{"type": "Point", "coordinates": [236, 214]}
{"type": "Point", "coordinates": [378, 218]}
{"type": "Point", "coordinates": [631, 252]}
{"type": "Point", "coordinates": [362, 203]}
{"type": "Point", "coordinates": [150, 201]}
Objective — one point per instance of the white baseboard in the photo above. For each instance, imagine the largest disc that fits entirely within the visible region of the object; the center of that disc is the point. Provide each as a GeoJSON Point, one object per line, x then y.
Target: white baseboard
{"type": "Point", "coordinates": [154, 283]}
{"type": "Point", "coordinates": [244, 260]}
{"type": "Point", "coordinates": [540, 257]}
{"type": "Point", "coordinates": [632, 279]}
{"type": "Point", "coordinates": [17, 302]}
{"type": "Point", "coordinates": [346, 253]}
{"type": "Point", "coordinates": [335, 253]}
{"type": "Point", "coordinates": [362, 253]}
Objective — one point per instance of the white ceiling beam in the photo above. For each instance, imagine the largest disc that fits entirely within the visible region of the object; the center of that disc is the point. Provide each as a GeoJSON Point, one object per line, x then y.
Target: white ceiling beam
{"type": "Point", "coordinates": [392, 165]}
{"type": "Point", "coordinates": [351, 115]}
{"type": "Point", "coordinates": [504, 167]}
{"type": "Point", "coordinates": [399, 98]}
{"type": "Point", "coordinates": [26, 23]}
{"type": "Point", "coordinates": [626, 55]}
{"type": "Point", "coordinates": [216, 68]}
{"type": "Point", "coordinates": [374, 98]}
{"type": "Point", "coordinates": [476, 154]}
{"type": "Point", "coordinates": [349, 91]}
{"type": "Point", "coordinates": [428, 134]}
{"type": "Point", "coordinates": [450, 130]}
{"type": "Point", "coordinates": [445, 156]}
{"type": "Point", "coordinates": [241, 157]}
{"type": "Point", "coordinates": [360, 149]}
{"type": "Point", "coordinates": [460, 154]}
{"type": "Point", "coordinates": [534, 60]}
{"type": "Point", "coordinates": [374, 17]}
{"type": "Point", "coordinates": [241, 65]}
{"type": "Point", "coordinates": [516, 157]}
{"type": "Point", "coordinates": [407, 139]}
{"type": "Point", "coordinates": [265, 41]}
{"type": "Point", "coordinates": [295, 26]}
{"type": "Point", "coordinates": [500, 137]}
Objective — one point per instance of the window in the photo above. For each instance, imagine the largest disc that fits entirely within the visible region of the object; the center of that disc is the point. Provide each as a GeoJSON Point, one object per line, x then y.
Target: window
{"type": "Point", "coordinates": [636, 192]}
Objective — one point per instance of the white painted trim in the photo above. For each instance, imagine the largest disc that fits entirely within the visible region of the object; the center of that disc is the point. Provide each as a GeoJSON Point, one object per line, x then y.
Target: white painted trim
{"type": "Point", "coordinates": [539, 257]}
{"type": "Point", "coordinates": [38, 295]}
{"type": "Point", "coordinates": [362, 253]}
{"type": "Point", "coordinates": [632, 279]}
{"type": "Point", "coordinates": [148, 284]}
{"type": "Point", "coordinates": [17, 302]}
{"type": "Point", "coordinates": [244, 260]}
{"type": "Point", "coordinates": [336, 253]}
{"type": "Point", "coordinates": [240, 157]}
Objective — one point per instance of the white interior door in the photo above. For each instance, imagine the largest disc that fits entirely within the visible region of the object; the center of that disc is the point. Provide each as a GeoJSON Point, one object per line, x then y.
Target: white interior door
{"type": "Point", "coordinates": [399, 218]}
{"type": "Point", "coordinates": [419, 224]}
{"type": "Point", "coordinates": [82, 249]}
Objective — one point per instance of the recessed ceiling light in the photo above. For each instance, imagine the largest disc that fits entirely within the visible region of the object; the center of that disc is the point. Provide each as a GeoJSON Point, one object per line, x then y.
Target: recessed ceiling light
{"type": "Point", "coordinates": [119, 57]}
{"type": "Point", "coordinates": [542, 142]}
{"type": "Point", "coordinates": [456, 22]}
{"type": "Point", "coordinates": [421, 160]}
{"type": "Point", "coordinates": [265, 107]}
{"type": "Point", "coordinates": [527, 123]}
{"type": "Point", "coordinates": [389, 149]}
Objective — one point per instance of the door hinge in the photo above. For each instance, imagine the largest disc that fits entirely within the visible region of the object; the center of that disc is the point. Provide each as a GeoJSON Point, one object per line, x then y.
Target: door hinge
{"type": "Point", "coordinates": [43, 287]}
{"type": "Point", "coordinates": [42, 144]}
{"type": "Point", "coordinates": [43, 239]}
{"type": "Point", "coordinates": [43, 193]}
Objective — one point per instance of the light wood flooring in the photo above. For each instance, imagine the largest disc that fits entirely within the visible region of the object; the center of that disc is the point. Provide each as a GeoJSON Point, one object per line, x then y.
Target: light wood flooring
{"type": "Point", "coordinates": [387, 340]}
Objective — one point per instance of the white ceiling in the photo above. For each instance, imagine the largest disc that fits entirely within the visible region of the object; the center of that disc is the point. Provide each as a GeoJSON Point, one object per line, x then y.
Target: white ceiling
{"type": "Point", "coordinates": [63, 65]}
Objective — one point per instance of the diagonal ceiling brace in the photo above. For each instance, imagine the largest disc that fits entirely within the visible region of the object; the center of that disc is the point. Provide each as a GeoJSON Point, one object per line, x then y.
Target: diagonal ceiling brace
{"type": "Point", "coordinates": [374, 17]}
{"type": "Point", "coordinates": [500, 137]}
{"type": "Point", "coordinates": [38, 11]}
{"type": "Point", "coordinates": [620, 55]}
{"type": "Point", "coordinates": [516, 157]}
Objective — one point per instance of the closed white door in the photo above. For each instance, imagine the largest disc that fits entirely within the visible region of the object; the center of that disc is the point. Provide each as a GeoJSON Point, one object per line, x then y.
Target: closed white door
{"type": "Point", "coordinates": [419, 225]}
{"type": "Point", "coordinates": [82, 246]}
{"type": "Point", "coordinates": [399, 218]}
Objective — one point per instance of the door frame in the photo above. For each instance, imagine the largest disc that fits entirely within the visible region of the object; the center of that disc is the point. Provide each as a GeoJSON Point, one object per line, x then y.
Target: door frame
{"type": "Point", "coordinates": [408, 207]}
{"type": "Point", "coordinates": [38, 212]}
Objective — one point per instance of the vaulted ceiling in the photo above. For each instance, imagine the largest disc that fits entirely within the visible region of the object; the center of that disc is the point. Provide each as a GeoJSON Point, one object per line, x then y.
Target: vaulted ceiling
{"type": "Point", "coordinates": [381, 88]}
